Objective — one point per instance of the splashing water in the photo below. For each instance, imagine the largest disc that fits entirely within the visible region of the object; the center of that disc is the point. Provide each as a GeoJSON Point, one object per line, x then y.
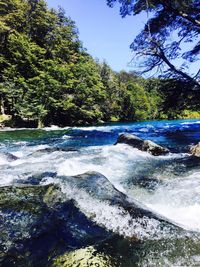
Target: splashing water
{"type": "Point", "coordinates": [169, 185]}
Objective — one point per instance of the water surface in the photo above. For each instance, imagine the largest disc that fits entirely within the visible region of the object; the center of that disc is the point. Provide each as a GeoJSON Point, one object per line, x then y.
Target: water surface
{"type": "Point", "coordinates": [169, 185]}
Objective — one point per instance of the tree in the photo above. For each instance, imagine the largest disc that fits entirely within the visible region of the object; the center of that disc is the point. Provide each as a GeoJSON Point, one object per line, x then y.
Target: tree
{"type": "Point", "coordinates": [47, 77]}
{"type": "Point", "coordinates": [112, 107]}
{"type": "Point", "coordinates": [153, 44]}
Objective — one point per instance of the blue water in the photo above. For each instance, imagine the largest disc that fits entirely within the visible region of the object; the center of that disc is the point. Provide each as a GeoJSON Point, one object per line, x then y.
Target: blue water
{"type": "Point", "coordinates": [169, 185]}
{"type": "Point", "coordinates": [169, 133]}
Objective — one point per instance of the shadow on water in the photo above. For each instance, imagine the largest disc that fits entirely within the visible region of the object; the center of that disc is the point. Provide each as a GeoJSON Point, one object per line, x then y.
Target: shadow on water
{"type": "Point", "coordinates": [31, 135]}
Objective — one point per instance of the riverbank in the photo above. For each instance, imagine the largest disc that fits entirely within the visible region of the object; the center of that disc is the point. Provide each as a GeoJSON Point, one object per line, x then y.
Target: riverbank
{"type": "Point", "coordinates": [8, 121]}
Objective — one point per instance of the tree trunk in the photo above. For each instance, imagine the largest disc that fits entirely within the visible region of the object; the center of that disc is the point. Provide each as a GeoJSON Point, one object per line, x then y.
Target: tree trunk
{"type": "Point", "coordinates": [40, 123]}
{"type": "Point", "coordinates": [2, 107]}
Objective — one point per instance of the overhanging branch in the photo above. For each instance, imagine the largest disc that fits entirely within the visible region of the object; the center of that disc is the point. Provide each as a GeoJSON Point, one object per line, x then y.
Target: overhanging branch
{"type": "Point", "coordinates": [162, 55]}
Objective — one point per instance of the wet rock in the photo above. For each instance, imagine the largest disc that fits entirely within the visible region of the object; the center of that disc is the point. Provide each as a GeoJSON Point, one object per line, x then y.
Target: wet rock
{"type": "Point", "coordinates": [169, 251]}
{"type": "Point", "coordinates": [83, 257]}
{"type": "Point", "coordinates": [144, 145]}
{"type": "Point", "coordinates": [8, 156]}
{"type": "Point", "coordinates": [195, 150]}
{"type": "Point", "coordinates": [36, 178]}
{"type": "Point", "coordinates": [55, 149]}
{"type": "Point", "coordinates": [148, 183]}
{"type": "Point", "coordinates": [154, 149]}
{"type": "Point", "coordinates": [40, 222]}
{"type": "Point", "coordinates": [131, 140]}
{"type": "Point", "coordinates": [98, 187]}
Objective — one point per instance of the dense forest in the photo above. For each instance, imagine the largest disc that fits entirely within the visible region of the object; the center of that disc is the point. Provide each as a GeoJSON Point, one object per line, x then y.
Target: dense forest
{"type": "Point", "coordinates": [47, 77]}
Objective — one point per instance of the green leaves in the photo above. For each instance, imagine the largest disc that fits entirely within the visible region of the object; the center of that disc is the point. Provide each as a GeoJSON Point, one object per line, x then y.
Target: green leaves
{"type": "Point", "coordinates": [47, 77]}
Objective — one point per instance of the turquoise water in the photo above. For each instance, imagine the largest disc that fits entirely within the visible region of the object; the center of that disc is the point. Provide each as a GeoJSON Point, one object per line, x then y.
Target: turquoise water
{"type": "Point", "coordinates": [168, 185]}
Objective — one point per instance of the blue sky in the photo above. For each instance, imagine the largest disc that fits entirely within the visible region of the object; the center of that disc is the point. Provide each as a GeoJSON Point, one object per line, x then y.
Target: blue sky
{"type": "Point", "coordinates": [103, 32]}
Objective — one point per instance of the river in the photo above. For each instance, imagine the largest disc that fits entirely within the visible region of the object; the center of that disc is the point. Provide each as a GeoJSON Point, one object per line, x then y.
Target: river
{"type": "Point", "coordinates": [168, 185]}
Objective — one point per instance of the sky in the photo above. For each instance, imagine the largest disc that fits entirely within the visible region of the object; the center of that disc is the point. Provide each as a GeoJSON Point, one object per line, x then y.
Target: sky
{"type": "Point", "coordinates": [104, 33]}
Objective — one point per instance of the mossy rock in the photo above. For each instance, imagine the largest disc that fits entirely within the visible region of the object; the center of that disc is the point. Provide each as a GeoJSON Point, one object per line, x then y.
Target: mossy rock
{"type": "Point", "coordinates": [83, 257]}
{"type": "Point", "coordinates": [38, 223]}
{"type": "Point", "coordinates": [29, 198]}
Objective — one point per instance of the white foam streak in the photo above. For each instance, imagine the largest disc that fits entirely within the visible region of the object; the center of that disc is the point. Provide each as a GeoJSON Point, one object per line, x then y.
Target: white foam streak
{"type": "Point", "coordinates": [111, 217]}
{"type": "Point", "coordinates": [3, 161]}
{"type": "Point", "coordinates": [188, 216]}
{"type": "Point", "coordinates": [190, 123]}
{"type": "Point", "coordinates": [111, 161]}
{"type": "Point", "coordinates": [179, 200]}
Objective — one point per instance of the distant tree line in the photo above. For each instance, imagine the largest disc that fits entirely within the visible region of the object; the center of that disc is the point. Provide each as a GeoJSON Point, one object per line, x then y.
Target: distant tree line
{"type": "Point", "coordinates": [47, 77]}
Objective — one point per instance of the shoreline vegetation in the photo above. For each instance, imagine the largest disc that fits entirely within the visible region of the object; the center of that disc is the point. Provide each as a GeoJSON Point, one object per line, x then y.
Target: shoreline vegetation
{"type": "Point", "coordinates": [7, 122]}
{"type": "Point", "coordinates": [48, 78]}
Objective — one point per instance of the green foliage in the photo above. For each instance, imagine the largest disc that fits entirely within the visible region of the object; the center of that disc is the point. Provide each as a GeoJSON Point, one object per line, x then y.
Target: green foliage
{"type": "Point", "coordinates": [171, 98]}
{"type": "Point", "coordinates": [45, 74]}
{"type": "Point", "coordinates": [188, 114]}
{"type": "Point", "coordinates": [176, 20]}
{"type": "Point", "coordinates": [46, 77]}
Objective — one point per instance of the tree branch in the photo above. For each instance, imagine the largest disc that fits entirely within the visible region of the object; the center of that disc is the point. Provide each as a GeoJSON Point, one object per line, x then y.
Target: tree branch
{"type": "Point", "coordinates": [186, 16]}
{"type": "Point", "coordinates": [162, 55]}
{"type": "Point", "coordinates": [180, 13]}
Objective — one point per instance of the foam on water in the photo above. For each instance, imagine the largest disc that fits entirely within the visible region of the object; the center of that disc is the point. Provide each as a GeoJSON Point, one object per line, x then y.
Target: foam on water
{"type": "Point", "coordinates": [111, 161]}
{"type": "Point", "coordinates": [55, 127]}
{"type": "Point", "coordinates": [106, 129]}
{"type": "Point", "coordinates": [3, 160]}
{"type": "Point", "coordinates": [190, 123]}
{"type": "Point", "coordinates": [179, 200]}
{"type": "Point", "coordinates": [111, 217]}
{"type": "Point", "coordinates": [188, 216]}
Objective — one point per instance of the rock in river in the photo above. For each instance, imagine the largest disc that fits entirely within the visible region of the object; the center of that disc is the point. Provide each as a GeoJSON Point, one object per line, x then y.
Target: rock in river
{"type": "Point", "coordinates": [40, 222]}
{"type": "Point", "coordinates": [83, 257]}
{"type": "Point", "coordinates": [97, 188]}
{"type": "Point", "coordinates": [195, 150]}
{"type": "Point", "coordinates": [144, 145]}
{"type": "Point", "coordinates": [8, 156]}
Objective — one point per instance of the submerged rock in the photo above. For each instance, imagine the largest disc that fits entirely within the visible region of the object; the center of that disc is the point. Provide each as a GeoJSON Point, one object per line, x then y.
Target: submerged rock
{"type": "Point", "coordinates": [144, 145]}
{"type": "Point", "coordinates": [8, 156]}
{"type": "Point", "coordinates": [147, 183]}
{"type": "Point", "coordinates": [35, 179]}
{"type": "Point", "coordinates": [195, 150]}
{"type": "Point", "coordinates": [51, 150]}
{"type": "Point", "coordinates": [55, 149]}
{"type": "Point", "coordinates": [98, 187]}
{"type": "Point", "coordinates": [39, 223]}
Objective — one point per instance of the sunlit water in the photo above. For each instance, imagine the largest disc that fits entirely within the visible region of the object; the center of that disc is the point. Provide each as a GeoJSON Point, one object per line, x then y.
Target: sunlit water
{"type": "Point", "coordinates": [176, 195]}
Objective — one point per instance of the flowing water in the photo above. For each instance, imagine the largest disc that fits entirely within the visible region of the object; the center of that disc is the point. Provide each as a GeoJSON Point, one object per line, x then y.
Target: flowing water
{"type": "Point", "coordinates": [168, 185]}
